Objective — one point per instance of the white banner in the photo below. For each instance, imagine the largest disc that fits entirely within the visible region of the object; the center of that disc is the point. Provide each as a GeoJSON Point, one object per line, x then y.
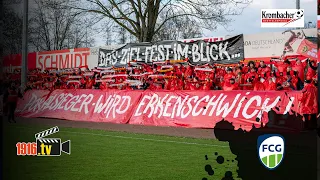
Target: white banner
{"type": "Point", "coordinates": [275, 43]}
{"type": "Point", "coordinates": [70, 58]}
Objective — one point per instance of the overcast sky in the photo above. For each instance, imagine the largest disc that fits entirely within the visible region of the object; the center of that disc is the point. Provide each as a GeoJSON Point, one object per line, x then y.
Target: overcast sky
{"type": "Point", "coordinates": [249, 21]}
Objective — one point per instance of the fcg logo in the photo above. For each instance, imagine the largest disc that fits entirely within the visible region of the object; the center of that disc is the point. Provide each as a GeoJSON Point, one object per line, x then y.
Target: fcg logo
{"type": "Point", "coordinates": [271, 150]}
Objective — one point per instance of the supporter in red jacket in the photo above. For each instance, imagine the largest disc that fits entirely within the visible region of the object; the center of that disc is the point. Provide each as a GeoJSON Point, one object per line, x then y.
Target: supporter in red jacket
{"type": "Point", "coordinates": [229, 75]}
{"type": "Point", "coordinates": [198, 86]}
{"type": "Point", "coordinates": [170, 73]}
{"type": "Point", "coordinates": [281, 65]}
{"type": "Point", "coordinates": [201, 75]}
{"type": "Point", "coordinates": [300, 66]}
{"type": "Point", "coordinates": [245, 69]}
{"type": "Point", "coordinates": [180, 83]}
{"type": "Point", "coordinates": [147, 68]}
{"type": "Point", "coordinates": [289, 71]}
{"type": "Point", "coordinates": [312, 70]}
{"type": "Point", "coordinates": [71, 86]}
{"type": "Point", "coordinates": [213, 73]}
{"type": "Point", "coordinates": [231, 85]}
{"type": "Point", "coordinates": [167, 84]}
{"type": "Point", "coordinates": [271, 86]}
{"type": "Point", "coordinates": [48, 84]}
{"type": "Point", "coordinates": [103, 86]}
{"type": "Point", "coordinates": [238, 70]}
{"type": "Point", "coordinates": [308, 104]}
{"type": "Point", "coordinates": [259, 85]}
{"type": "Point", "coordinates": [252, 75]}
{"type": "Point", "coordinates": [251, 65]}
{"type": "Point", "coordinates": [173, 85]}
{"type": "Point", "coordinates": [248, 84]}
{"type": "Point", "coordinates": [207, 85]}
{"type": "Point", "coordinates": [158, 86]}
{"type": "Point", "coordinates": [315, 79]}
{"type": "Point", "coordinates": [264, 70]}
{"type": "Point", "coordinates": [187, 83]}
{"type": "Point", "coordinates": [178, 71]}
{"type": "Point", "coordinates": [194, 85]}
{"type": "Point", "coordinates": [83, 82]}
{"type": "Point", "coordinates": [90, 82]}
{"type": "Point", "coordinates": [64, 85]}
{"type": "Point", "coordinates": [240, 78]}
{"type": "Point", "coordinates": [209, 75]}
{"type": "Point", "coordinates": [155, 69]}
{"type": "Point", "coordinates": [288, 85]}
{"type": "Point", "coordinates": [152, 86]}
{"type": "Point", "coordinates": [12, 102]}
{"type": "Point", "coordinates": [285, 86]}
{"type": "Point", "coordinates": [220, 73]}
{"type": "Point", "coordinates": [295, 81]}
{"type": "Point", "coordinates": [281, 79]}
{"type": "Point", "coordinates": [128, 87]}
{"type": "Point", "coordinates": [188, 72]}
{"type": "Point", "coordinates": [273, 74]}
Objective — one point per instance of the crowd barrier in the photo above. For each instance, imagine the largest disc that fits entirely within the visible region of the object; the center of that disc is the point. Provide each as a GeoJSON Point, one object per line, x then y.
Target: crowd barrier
{"type": "Point", "coordinates": [193, 109]}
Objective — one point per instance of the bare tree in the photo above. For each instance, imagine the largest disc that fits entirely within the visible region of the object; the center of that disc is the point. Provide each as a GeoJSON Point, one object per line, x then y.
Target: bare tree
{"type": "Point", "coordinates": [187, 29]}
{"type": "Point", "coordinates": [141, 18]}
{"type": "Point", "coordinates": [53, 26]}
{"type": "Point", "coordinates": [168, 32]}
{"type": "Point", "coordinates": [11, 2]}
{"type": "Point", "coordinates": [12, 32]}
{"type": "Point", "coordinates": [122, 34]}
{"type": "Point", "coordinates": [132, 38]}
{"type": "Point", "coordinates": [108, 35]}
{"type": "Point", "coordinates": [179, 28]}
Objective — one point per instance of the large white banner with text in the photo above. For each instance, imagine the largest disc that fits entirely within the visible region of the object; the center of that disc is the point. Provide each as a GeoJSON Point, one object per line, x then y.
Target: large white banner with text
{"type": "Point", "coordinates": [275, 43]}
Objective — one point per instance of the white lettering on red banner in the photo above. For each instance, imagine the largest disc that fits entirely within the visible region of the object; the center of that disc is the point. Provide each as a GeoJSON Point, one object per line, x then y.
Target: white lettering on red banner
{"type": "Point", "coordinates": [69, 58]}
{"type": "Point", "coordinates": [188, 109]}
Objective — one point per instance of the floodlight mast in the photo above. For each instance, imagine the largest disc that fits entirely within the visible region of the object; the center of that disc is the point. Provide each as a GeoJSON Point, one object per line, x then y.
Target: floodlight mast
{"type": "Point", "coordinates": [297, 7]}
{"type": "Point", "coordinates": [24, 65]}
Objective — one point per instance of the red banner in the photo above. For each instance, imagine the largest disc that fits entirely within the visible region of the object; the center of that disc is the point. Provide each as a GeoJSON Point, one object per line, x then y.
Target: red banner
{"type": "Point", "coordinates": [13, 61]}
{"type": "Point", "coordinates": [308, 49]}
{"type": "Point", "coordinates": [80, 105]}
{"type": "Point", "coordinates": [199, 109]}
{"type": "Point", "coordinates": [67, 58]}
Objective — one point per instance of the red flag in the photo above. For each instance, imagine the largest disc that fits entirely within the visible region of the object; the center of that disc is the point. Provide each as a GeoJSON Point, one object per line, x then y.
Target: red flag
{"type": "Point", "coordinates": [308, 49]}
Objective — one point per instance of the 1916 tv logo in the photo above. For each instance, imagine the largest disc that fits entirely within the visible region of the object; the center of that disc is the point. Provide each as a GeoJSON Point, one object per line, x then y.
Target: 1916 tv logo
{"type": "Point", "coordinates": [44, 146]}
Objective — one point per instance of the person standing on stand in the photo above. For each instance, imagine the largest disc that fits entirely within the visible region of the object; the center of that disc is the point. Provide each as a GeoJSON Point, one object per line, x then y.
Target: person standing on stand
{"type": "Point", "coordinates": [12, 102]}
{"type": "Point", "coordinates": [308, 105]}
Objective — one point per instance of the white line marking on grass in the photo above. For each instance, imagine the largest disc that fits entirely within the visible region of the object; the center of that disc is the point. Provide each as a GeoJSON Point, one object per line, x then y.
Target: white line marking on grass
{"type": "Point", "coordinates": [146, 139]}
{"type": "Point", "coordinates": [136, 138]}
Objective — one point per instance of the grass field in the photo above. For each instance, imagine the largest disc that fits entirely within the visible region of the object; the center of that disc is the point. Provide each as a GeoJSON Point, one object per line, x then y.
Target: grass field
{"type": "Point", "coordinates": [98, 154]}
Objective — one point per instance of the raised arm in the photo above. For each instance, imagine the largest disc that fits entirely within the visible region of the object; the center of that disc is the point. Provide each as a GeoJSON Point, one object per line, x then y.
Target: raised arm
{"type": "Point", "coordinates": [312, 67]}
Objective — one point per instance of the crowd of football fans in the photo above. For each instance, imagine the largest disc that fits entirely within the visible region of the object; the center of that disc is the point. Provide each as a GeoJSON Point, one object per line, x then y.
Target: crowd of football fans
{"type": "Point", "coordinates": [276, 74]}
{"type": "Point", "coordinates": [273, 75]}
